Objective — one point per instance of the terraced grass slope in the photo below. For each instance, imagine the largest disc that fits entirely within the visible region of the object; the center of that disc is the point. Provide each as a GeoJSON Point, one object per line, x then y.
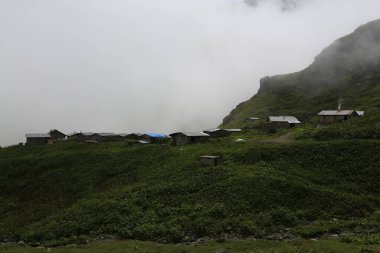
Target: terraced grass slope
{"type": "Point", "coordinates": [162, 193]}
{"type": "Point", "coordinates": [346, 72]}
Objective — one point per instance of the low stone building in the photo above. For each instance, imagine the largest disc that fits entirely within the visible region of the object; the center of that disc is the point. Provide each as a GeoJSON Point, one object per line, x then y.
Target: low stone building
{"type": "Point", "coordinates": [283, 121]}
{"type": "Point", "coordinates": [183, 138]}
{"type": "Point", "coordinates": [56, 135]}
{"type": "Point", "coordinates": [331, 116]}
{"type": "Point", "coordinates": [38, 138]}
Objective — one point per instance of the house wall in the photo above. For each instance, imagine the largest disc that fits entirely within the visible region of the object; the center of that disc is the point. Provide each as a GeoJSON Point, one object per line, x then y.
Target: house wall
{"type": "Point", "coordinates": [199, 139]}
{"type": "Point", "coordinates": [57, 135]}
{"type": "Point", "coordinates": [220, 133]}
{"type": "Point", "coordinates": [333, 118]}
{"type": "Point", "coordinates": [181, 139]}
{"type": "Point", "coordinates": [37, 140]}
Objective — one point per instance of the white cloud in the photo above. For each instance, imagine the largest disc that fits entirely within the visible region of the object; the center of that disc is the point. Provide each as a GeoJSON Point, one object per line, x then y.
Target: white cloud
{"type": "Point", "coordinates": [152, 66]}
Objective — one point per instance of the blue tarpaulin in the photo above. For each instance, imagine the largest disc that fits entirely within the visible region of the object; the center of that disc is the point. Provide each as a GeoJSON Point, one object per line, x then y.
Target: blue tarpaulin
{"type": "Point", "coordinates": [157, 135]}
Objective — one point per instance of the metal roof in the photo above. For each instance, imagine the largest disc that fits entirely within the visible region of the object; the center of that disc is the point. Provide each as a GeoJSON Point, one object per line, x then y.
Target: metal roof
{"type": "Point", "coordinates": [213, 130]}
{"type": "Point", "coordinates": [288, 119]}
{"type": "Point", "coordinates": [336, 112]}
{"type": "Point", "coordinates": [192, 134]}
{"type": "Point", "coordinates": [233, 130]}
{"type": "Point", "coordinates": [37, 135]}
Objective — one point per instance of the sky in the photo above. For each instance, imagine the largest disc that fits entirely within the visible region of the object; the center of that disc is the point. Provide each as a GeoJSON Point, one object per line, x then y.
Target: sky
{"type": "Point", "coordinates": [153, 65]}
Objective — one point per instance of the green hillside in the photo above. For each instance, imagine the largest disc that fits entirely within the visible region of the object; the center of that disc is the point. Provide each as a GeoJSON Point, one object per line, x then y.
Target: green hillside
{"type": "Point", "coordinates": [346, 72]}
{"type": "Point", "coordinates": [162, 193]}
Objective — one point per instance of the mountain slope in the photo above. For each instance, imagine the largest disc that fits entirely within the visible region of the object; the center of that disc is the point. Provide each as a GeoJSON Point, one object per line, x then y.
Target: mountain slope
{"type": "Point", "coordinates": [347, 72]}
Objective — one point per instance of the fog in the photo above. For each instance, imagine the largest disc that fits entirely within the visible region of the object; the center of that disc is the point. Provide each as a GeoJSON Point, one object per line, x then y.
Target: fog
{"type": "Point", "coordinates": [154, 65]}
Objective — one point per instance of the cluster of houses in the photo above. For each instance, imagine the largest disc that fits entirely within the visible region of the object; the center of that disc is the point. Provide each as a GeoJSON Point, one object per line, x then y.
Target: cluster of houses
{"type": "Point", "coordinates": [183, 138]}
{"type": "Point", "coordinates": [325, 117]}
{"type": "Point", "coordinates": [178, 138]}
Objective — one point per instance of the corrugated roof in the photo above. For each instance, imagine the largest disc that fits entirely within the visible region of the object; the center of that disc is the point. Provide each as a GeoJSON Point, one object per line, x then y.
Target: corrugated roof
{"type": "Point", "coordinates": [288, 119]}
{"type": "Point", "coordinates": [37, 135]}
{"type": "Point", "coordinates": [192, 134]}
{"type": "Point", "coordinates": [336, 112]}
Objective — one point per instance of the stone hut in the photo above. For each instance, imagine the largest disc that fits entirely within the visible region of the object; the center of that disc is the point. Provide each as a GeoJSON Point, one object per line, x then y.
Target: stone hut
{"type": "Point", "coordinates": [38, 138]}
{"type": "Point", "coordinates": [283, 121]}
{"type": "Point", "coordinates": [55, 134]}
{"type": "Point", "coordinates": [331, 116]}
{"type": "Point", "coordinates": [183, 138]}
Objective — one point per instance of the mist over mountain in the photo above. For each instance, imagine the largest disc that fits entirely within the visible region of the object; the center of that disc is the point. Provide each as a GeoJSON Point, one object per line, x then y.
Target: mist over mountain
{"type": "Point", "coordinates": [285, 5]}
{"type": "Point", "coordinates": [347, 71]}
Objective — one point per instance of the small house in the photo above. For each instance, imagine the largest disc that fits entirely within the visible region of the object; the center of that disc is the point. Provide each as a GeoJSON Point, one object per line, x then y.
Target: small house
{"type": "Point", "coordinates": [283, 121]}
{"type": "Point", "coordinates": [38, 138]}
{"type": "Point", "coordinates": [183, 138]}
{"type": "Point", "coordinates": [55, 134]}
{"type": "Point", "coordinates": [330, 116]}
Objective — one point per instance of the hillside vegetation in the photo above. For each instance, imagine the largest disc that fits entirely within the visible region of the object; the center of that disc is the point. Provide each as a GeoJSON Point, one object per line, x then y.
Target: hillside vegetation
{"type": "Point", "coordinates": [162, 193]}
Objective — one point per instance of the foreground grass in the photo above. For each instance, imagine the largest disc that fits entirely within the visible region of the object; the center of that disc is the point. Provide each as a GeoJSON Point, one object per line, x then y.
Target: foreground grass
{"type": "Point", "coordinates": [66, 192]}
{"type": "Point", "coordinates": [324, 246]}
